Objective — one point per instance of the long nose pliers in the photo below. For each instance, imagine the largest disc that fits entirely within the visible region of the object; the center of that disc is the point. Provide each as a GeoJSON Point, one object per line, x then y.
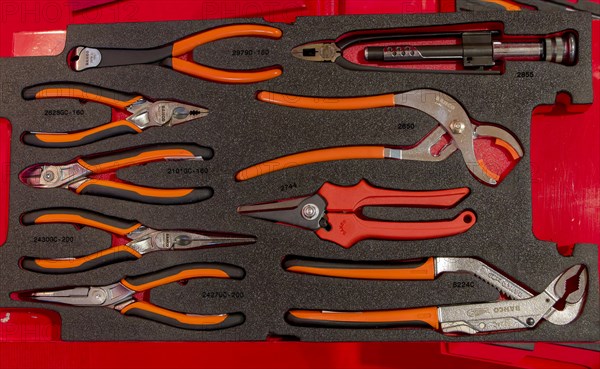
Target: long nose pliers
{"type": "Point", "coordinates": [124, 296]}
{"type": "Point", "coordinates": [141, 113]}
{"type": "Point", "coordinates": [77, 174]}
{"type": "Point", "coordinates": [560, 303]}
{"type": "Point", "coordinates": [84, 57]}
{"type": "Point", "coordinates": [133, 240]}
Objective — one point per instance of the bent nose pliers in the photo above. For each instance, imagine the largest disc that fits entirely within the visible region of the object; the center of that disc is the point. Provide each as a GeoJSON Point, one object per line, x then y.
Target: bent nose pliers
{"type": "Point", "coordinates": [77, 174]}
{"type": "Point", "coordinates": [84, 57]}
{"type": "Point", "coordinates": [142, 113]}
{"type": "Point", "coordinates": [122, 296]}
{"type": "Point", "coordinates": [453, 122]}
{"type": "Point", "coordinates": [334, 213]}
{"type": "Point", "coordinates": [560, 303]}
{"type": "Point", "coordinates": [133, 240]}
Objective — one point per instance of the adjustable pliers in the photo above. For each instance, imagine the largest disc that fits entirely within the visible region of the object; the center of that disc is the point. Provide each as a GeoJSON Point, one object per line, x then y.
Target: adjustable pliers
{"type": "Point", "coordinates": [77, 174]}
{"type": "Point", "coordinates": [142, 113]}
{"type": "Point", "coordinates": [133, 240]}
{"type": "Point", "coordinates": [123, 296]}
{"type": "Point", "coordinates": [334, 213]}
{"type": "Point", "coordinates": [453, 122]}
{"type": "Point", "coordinates": [560, 303]}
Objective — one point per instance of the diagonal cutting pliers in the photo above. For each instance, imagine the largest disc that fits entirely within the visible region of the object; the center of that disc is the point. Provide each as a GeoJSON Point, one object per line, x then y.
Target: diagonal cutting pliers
{"type": "Point", "coordinates": [77, 174]}
{"type": "Point", "coordinates": [122, 296]}
{"type": "Point", "coordinates": [84, 57]}
{"type": "Point", "coordinates": [453, 122]}
{"type": "Point", "coordinates": [560, 303]}
{"type": "Point", "coordinates": [142, 113]}
{"type": "Point", "coordinates": [133, 240]}
{"type": "Point", "coordinates": [334, 213]}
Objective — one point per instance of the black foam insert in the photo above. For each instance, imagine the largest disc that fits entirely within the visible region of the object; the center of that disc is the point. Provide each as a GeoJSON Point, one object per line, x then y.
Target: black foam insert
{"type": "Point", "coordinates": [243, 131]}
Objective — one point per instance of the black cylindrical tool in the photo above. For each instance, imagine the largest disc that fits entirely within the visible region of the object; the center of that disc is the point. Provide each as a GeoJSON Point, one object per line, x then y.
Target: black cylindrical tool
{"type": "Point", "coordinates": [479, 50]}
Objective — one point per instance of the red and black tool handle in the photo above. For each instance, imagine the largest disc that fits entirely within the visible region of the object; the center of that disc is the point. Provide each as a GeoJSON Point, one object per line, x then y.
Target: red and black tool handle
{"type": "Point", "coordinates": [105, 163]}
{"type": "Point", "coordinates": [147, 310]}
{"type": "Point", "coordinates": [402, 270]}
{"type": "Point", "coordinates": [84, 92]}
{"type": "Point", "coordinates": [426, 317]}
{"type": "Point", "coordinates": [352, 198]}
{"type": "Point", "coordinates": [346, 229]}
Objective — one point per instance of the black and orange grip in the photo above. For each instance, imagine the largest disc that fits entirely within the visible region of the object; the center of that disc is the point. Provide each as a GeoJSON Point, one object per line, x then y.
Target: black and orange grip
{"type": "Point", "coordinates": [108, 162]}
{"type": "Point", "coordinates": [80, 91]}
{"type": "Point", "coordinates": [143, 194]}
{"type": "Point", "coordinates": [99, 259]}
{"type": "Point", "coordinates": [327, 103]}
{"type": "Point", "coordinates": [406, 270]}
{"type": "Point", "coordinates": [146, 310]}
{"type": "Point", "coordinates": [79, 138]}
{"type": "Point", "coordinates": [183, 272]}
{"type": "Point", "coordinates": [426, 317]}
{"type": "Point", "coordinates": [310, 157]}
{"type": "Point", "coordinates": [81, 217]}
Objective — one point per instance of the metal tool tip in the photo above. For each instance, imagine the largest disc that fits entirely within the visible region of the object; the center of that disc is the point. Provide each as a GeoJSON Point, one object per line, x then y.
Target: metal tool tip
{"type": "Point", "coordinates": [22, 296]}
{"type": "Point", "coordinates": [31, 175]}
{"type": "Point", "coordinates": [572, 284]}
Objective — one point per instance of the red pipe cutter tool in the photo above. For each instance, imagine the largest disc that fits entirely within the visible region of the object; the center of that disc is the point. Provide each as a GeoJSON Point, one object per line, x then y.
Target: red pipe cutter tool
{"type": "Point", "coordinates": [334, 213]}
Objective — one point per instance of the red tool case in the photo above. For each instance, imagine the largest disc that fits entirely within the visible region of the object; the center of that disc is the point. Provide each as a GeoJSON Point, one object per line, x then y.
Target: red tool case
{"type": "Point", "coordinates": [566, 210]}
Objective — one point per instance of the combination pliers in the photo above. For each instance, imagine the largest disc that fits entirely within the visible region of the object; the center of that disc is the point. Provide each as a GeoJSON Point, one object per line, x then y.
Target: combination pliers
{"type": "Point", "coordinates": [139, 113]}
{"type": "Point", "coordinates": [560, 303]}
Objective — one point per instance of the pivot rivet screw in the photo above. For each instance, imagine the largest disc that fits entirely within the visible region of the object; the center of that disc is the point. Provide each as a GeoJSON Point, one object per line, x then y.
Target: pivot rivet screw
{"type": "Point", "coordinates": [310, 211]}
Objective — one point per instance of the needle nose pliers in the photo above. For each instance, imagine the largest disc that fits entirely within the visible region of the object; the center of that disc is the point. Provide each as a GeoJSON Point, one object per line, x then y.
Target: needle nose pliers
{"type": "Point", "coordinates": [453, 122]}
{"type": "Point", "coordinates": [134, 240]}
{"type": "Point", "coordinates": [334, 213]}
{"type": "Point", "coordinates": [76, 175]}
{"type": "Point", "coordinates": [122, 296]}
{"type": "Point", "coordinates": [142, 113]}
{"type": "Point", "coordinates": [84, 57]}
{"type": "Point", "coordinates": [560, 303]}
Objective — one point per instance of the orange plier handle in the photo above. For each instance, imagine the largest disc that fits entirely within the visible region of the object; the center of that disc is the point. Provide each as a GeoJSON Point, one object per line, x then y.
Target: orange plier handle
{"type": "Point", "coordinates": [73, 90]}
{"type": "Point", "coordinates": [425, 317]}
{"type": "Point", "coordinates": [183, 272]}
{"type": "Point", "coordinates": [108, 163]}
{"type": "Point", "coordinates": [80, 217]}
